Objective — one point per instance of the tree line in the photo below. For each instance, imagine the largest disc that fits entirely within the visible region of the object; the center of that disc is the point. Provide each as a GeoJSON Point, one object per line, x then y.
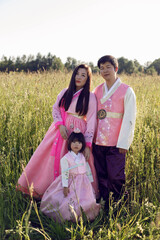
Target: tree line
{"type": "Point", "coordinates": [51, 62]}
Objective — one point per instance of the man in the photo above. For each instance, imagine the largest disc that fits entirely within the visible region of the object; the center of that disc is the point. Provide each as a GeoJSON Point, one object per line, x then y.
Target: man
{"type": "Point", "coordinates": [115, 128]}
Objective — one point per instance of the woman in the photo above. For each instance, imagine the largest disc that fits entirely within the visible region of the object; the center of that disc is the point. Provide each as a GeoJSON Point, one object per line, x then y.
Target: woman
{"type": "Point", "coordinates": [75, 108]}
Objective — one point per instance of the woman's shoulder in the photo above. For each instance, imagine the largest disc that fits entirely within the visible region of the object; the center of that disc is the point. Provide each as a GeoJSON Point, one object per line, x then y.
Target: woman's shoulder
{"type": "Point", "coordinates": [62, 92]}
{"type": "Point", "coordinates": [92, 96]}
{"type": "Point", "coordinates": [98, 87]}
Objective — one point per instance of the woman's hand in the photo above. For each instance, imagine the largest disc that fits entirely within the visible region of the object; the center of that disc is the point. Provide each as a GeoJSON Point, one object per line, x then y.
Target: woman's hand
{"type": "Point", "coordinates": [63, 131]}
{"type": "Point", "coordinates": [65, 191]}
{"type": "Point", "coordinates": [87, 153]}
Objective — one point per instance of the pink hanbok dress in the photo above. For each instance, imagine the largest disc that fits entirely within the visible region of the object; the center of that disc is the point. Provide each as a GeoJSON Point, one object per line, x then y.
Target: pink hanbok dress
{"type": "Point", "coordinates": [44, 165]}
{"type": "Point", "coordinates": [81, 195]}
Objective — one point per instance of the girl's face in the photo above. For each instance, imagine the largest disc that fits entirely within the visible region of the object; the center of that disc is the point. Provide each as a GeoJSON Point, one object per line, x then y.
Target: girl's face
{"type": "Point", "coordinates": [76, 146]}
{"type": "Point", "coordinates": [81, 78]}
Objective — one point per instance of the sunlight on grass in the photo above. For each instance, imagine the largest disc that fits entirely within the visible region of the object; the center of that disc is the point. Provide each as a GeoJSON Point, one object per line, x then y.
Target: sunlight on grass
{"type": "Point", "coordinates": [25, 116]}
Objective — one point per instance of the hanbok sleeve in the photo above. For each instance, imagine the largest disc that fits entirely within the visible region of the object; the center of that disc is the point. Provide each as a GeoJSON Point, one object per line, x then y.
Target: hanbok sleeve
{"type": "Point", "coordinates": [56, 113]}
{"type": "Point", "coordinates": [88, 172]}
{"type": "Point", "coordinates": [128, 124]}
{"type": "Point", "coordinates": [64, 171]}
{"type": "Point", "coordinates": [91, 119]}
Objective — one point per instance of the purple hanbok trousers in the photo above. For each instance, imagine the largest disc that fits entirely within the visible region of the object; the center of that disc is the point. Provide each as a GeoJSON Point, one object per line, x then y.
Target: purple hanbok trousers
{"type": "Point", "coordinates": [110, 167]}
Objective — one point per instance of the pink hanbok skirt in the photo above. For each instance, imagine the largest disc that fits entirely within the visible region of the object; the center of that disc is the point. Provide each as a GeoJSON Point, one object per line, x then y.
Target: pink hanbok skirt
{"type": "Point", "coordinates": [40, 169]}
{"type": "Point", "coordinates": [55, 204]}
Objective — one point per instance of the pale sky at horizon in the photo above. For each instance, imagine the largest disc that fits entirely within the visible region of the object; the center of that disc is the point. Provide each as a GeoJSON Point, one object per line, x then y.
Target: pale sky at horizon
{"type": "Point", "coordinates": [81, 29]}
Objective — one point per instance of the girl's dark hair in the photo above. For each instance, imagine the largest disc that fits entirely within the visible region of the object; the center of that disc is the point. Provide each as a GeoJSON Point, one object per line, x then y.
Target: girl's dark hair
{"type": "Point", "coordinates": [108, 58]}
{"type": "Point", "coordinates": [76, 137]}
{"type": "Point", "coordinates": [83, 99]}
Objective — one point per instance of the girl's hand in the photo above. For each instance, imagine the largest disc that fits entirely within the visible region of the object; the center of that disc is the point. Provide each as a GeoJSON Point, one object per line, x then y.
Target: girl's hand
{"type": "Point", "coordinates": [87, 153]}
{"type": "Point", "coordinates": [63, 131]}
{"type": "Point", "coordinates": [65, 191]}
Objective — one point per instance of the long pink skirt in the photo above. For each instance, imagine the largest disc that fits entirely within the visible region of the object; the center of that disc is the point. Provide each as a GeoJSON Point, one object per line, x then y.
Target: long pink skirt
{"type": "Point", "coordinates": [55, 204]}
{"type": "Point", "coordinates": [40, 169]}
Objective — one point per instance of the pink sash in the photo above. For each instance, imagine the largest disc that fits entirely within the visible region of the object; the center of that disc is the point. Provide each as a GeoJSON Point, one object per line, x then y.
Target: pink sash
{"type": "Point", "coordinates": [57, 144]}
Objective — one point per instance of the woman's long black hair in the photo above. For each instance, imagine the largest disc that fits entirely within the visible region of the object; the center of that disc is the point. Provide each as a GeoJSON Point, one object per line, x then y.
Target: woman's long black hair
{"type": "Point", "coordinates": [83, 99]}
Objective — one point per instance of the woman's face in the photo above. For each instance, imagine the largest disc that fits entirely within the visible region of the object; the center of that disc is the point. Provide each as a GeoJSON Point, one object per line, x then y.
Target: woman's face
{"type": "Point", "coordinates": [81, 78]}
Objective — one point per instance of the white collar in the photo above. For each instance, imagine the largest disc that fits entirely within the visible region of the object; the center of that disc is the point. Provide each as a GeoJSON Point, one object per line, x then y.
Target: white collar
{"type": "Point", "coordinates": [77, 91]}
{"type": "Point", "coordinates": [76, 156]}
{"type": "Point", "coordinates": [113, 86]}
{"type": "Point", "coordinates": [108, 94]}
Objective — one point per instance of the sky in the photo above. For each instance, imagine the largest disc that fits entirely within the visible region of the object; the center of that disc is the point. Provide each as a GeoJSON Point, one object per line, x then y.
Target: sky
{"type": "Point", "coordinates": [81, 29]}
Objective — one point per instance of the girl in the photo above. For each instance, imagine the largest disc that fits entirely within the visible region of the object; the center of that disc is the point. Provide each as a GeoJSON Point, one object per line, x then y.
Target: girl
{"type": "Point", "coordinates": [71, 190]}
{"type": "Point", "coordinates": [75, 107]}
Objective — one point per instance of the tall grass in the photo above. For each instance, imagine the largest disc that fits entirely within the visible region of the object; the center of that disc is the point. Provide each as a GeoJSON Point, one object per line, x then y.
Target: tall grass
{"type": "Point", "coordinates": [25, 116]}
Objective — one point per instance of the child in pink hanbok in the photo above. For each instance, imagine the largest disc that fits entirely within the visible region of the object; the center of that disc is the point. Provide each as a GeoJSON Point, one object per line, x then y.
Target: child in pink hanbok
{"type": "Point", "coordinates": [75, 107]}
{"type": "Point", "coordinates": [72, 190]}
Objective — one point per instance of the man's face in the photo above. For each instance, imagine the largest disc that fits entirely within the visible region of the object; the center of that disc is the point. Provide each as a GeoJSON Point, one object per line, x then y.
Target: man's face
{"type": "Point", "coordinates": [107, 71]}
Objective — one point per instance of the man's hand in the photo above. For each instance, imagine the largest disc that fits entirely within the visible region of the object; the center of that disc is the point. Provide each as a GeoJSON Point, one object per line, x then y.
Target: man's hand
{"type": "Point", "coordinates": [123, 151]}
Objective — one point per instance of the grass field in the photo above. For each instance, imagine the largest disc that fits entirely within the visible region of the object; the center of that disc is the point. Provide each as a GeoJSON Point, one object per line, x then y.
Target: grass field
{"type": "Point", "coordinates": [25, 116]}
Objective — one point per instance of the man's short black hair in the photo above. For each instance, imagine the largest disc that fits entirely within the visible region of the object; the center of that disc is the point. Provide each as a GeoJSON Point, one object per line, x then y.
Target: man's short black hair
{"type": "Point", "coordinates": [108, 58]}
